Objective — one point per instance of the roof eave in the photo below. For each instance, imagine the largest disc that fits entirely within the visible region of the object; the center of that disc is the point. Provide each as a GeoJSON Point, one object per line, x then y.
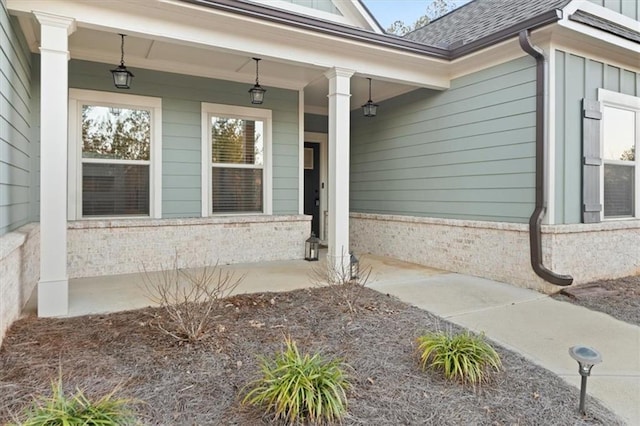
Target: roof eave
{"type": "Point", "coordinates": [542, 20]}
{"type": "Point", "coordinates": [317, 25]}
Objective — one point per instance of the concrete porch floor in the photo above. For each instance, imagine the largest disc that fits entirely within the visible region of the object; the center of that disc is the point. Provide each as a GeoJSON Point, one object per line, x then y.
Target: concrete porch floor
{"type": "Point", "coordinates": [95, 295]}
{"type": "Point", "coordinates": [525, 321]}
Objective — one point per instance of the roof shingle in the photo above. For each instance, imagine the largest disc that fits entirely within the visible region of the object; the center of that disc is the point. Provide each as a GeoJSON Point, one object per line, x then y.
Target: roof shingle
{"type": "Point", "coordinates": [479, 19]}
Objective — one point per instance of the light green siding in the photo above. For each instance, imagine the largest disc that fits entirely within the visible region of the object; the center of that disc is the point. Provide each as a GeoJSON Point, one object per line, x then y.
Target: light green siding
{"type": "Point", "coordinates": [16, 150]}
{"type": "Point", "coordinates": [316, 123]}
{"type": "Point", "coordinates": [578, 78]}
{"type": "Point", "coordinates": [181, 134]}
{"type": "Point", "coordinates": [630, 8]}
{"type": "Point", "coordinates": [468, 152]}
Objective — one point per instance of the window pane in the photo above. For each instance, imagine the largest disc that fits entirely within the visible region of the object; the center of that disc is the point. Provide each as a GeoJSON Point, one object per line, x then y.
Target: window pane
{"type": "Point", "coordinates": [115, 189]}
{"type": "Point", "coordinates": [237, 141]}
{"type": "Point", "coordinates": [619, 134]}
{"type": "Point", "coordinates": [115, 133]}
{"type": "Point", "coordinates": [618, 190]}
{"type": "Point", "coordinates": [237, 190]}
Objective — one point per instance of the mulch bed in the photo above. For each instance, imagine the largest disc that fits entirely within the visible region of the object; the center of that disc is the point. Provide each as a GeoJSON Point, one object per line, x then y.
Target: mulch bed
{"type": "Point", "coordinates": [619, 298]}
{"type": "Point", "coordinates": [200, 384]}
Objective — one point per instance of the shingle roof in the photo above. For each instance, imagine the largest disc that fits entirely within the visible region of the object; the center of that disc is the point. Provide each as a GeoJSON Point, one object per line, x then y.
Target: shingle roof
{"type": "Point", "coordinates": [479, 19]}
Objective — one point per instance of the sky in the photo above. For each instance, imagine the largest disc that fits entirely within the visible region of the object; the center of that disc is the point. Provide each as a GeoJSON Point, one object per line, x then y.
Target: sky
{"type": "Point", "coordinates": [389, 11]}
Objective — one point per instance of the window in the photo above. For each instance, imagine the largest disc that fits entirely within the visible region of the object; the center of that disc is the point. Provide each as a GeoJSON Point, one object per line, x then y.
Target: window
{"type": "Point", "coordinates": [620, 140]}
{"type": "Point", "coordinates": [114, 155]}
{"type": "Point", "coordinates": [236, 160]}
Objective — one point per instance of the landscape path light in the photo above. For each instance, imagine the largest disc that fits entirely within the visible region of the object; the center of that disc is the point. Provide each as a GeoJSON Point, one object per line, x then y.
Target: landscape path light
{"type": "Point", "coordinates": [587, 357]}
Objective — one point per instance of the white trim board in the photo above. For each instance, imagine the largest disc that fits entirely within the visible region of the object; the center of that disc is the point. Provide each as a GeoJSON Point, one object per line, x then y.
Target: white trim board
{"type": "Point", "coordinates": [259, 114]}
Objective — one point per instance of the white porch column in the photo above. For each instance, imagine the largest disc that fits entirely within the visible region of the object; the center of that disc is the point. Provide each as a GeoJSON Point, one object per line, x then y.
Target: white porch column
{"type": "Point", "coordinates": [53, 287]}
{"type": "Point", "coordinates": [339, 129]}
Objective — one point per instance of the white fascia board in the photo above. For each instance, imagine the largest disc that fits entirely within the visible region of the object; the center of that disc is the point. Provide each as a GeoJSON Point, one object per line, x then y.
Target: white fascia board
{"type": "Point", "coordinates": [215, 29]}
{"type": "Point", "coordinates": [486, 58]}
{"type": "Point", "coordinates": [576, 43]}
{"type": "Point", "coordinates": [604, 13]}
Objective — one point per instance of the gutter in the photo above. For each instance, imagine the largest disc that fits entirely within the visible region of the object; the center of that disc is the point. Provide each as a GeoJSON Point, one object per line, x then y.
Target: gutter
{"type": "Point", "coordinates": [535, 222]}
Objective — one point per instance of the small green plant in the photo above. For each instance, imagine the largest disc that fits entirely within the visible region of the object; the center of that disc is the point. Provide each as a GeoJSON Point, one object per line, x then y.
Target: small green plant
{"type": "Point", "coordinates": [298, 387]}
{"type": "Point", "coordinates": [63, 410]}
{"type": "Point", "coordinates": [464, 356]}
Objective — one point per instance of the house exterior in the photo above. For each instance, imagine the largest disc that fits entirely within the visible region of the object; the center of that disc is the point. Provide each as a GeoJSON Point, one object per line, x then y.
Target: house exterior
{"type": "Point", "coordinates": [504, 144]}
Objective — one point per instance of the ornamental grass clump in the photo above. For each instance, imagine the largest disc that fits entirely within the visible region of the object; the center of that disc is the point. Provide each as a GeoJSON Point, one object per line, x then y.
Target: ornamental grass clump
{"type": "Point", "coordinates": [300, 388]}
{"type": "Point", "coordinates": [464, 356]}
{"type": "Point", "coordinates": [70, 410]}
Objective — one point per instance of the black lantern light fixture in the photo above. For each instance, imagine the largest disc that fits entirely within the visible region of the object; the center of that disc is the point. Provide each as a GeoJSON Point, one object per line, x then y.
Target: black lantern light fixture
{"type": "Point", "coordinates": [311, 248]}
{"type": "Point", "coordinates": [587, 357]}
{"type": "Point", "coordinates": [370, 109]}
{"type": "Point", "coordinates": [121, 75]}
{"type": "Point", "coordinates": [257, 92]}
{"type": "Point", "coordinates": [354, 266]}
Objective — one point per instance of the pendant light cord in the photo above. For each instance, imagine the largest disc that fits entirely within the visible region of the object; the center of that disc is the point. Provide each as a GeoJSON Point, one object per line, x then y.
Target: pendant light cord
{"type": "Point", "coordinates": [122, 50]}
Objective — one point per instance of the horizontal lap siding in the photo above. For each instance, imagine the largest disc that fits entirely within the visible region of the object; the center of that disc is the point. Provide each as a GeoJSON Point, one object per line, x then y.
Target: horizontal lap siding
{"type": "Point", "coordinates": [16, 150]}
{"type": "Point", "coordinates": [578, 78]}
{"type": "Point", "coordinates": [465, 153]}
{"type": "Point", "coordinates": [181, 133]}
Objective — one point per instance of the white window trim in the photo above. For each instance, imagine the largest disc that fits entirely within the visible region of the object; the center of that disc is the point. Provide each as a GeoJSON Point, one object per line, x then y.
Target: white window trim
{"type": "Point", "coordinates": [632, 103]}
{"type": "Point", "coordinates": [258, 114]}
{"type": "Point", "coordinates": [76, 98]}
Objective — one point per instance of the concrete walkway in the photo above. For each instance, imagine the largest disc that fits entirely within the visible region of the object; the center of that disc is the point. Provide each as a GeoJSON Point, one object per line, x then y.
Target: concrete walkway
{"type": "Point", "coordinates": [538, 327]}
{"type": "Point", "coordinates": [525, 321]}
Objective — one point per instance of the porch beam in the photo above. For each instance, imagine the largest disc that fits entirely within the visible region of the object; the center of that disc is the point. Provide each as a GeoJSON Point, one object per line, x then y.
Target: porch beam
{"type": "Point", "coordinates": [339, 130]}
{"type": "Point", "coordinates": [53, 287]}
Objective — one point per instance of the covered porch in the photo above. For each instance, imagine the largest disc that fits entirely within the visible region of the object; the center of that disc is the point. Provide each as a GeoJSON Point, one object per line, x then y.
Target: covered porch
{"type": "Point", "coordinates": [193, 61]}
{"type": "Point", "coordinates": [114, 293]}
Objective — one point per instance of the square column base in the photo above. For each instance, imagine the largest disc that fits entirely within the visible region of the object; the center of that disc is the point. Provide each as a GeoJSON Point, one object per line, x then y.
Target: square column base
{"type": "Point", "coordinates": [53, 298]}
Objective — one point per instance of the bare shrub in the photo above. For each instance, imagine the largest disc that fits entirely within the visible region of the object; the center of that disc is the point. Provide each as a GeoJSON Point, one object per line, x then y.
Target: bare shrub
{"type": "Point", "coordinates": [339, 278]}
{"type": "Point", "coordinates": [188, 297]}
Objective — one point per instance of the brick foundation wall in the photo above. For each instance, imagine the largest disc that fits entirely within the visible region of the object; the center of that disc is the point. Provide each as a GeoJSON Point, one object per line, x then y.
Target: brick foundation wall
{"type": "Point", "coordinates": [500, 251]}
{"type": "Point", "coordinates": [113, 247]}
{"type": "Point", "coordinates": [19, 272]}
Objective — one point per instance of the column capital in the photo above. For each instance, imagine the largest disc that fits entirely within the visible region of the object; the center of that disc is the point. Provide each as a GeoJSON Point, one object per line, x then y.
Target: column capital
{"type": "Point", "coordinates": [57, 21]}
{"type": "Point", "coordinates": [339, 72]}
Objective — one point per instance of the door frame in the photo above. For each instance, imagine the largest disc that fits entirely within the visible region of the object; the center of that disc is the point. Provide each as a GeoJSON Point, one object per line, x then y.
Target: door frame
{"type": "Point", "coordinates": [322, 139]}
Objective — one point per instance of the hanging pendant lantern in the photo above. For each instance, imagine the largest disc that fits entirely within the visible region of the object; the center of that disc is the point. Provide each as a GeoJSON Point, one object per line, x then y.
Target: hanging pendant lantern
{"type": "Point", "coordinates": [257, 92]}
{"type": "Point", "coordinates": [370, 109]}
{"type": "Point", "coordinates": [121, 75]}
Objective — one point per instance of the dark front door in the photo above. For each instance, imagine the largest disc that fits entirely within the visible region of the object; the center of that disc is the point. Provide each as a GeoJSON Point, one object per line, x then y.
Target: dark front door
{"type": "Point", "coordinates": [312, 184]}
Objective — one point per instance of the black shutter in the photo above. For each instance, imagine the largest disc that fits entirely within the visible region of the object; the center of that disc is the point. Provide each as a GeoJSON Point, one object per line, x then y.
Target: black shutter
{"type": "Point", "coordinates": [591, 161]}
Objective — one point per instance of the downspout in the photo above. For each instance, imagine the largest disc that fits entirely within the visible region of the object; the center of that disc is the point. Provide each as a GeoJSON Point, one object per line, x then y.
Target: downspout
{"type": "Point", "coordinates": [535, 222]}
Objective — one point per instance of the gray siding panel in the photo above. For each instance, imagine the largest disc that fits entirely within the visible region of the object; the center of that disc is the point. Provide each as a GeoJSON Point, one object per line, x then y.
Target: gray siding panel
{"type": "Point", "coordinates": [466, 153]}
{"type": "Point", "coordinates": [578, 78]}
{"type": "Point", "coordinates": [16, 150]}
{"type": "Point", "coordinates": [181, 133]}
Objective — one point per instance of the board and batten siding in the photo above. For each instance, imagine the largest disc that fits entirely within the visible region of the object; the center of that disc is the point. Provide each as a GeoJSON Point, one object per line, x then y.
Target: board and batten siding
{"type": "Point", "coordinates": [578, 78]}
{"type": "Point", "coordinates": [464, 153]}
{"type": "Point", "coordinates": [16, 148]}
{"type": "Point", "coordinates": [181, 135]}
{"type": "Point", "coordinates": [629, 8]}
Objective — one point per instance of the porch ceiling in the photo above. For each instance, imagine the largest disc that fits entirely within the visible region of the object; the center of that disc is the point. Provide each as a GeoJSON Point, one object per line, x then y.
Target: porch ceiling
{"type": "Point", "coordinates": [226, 57]}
